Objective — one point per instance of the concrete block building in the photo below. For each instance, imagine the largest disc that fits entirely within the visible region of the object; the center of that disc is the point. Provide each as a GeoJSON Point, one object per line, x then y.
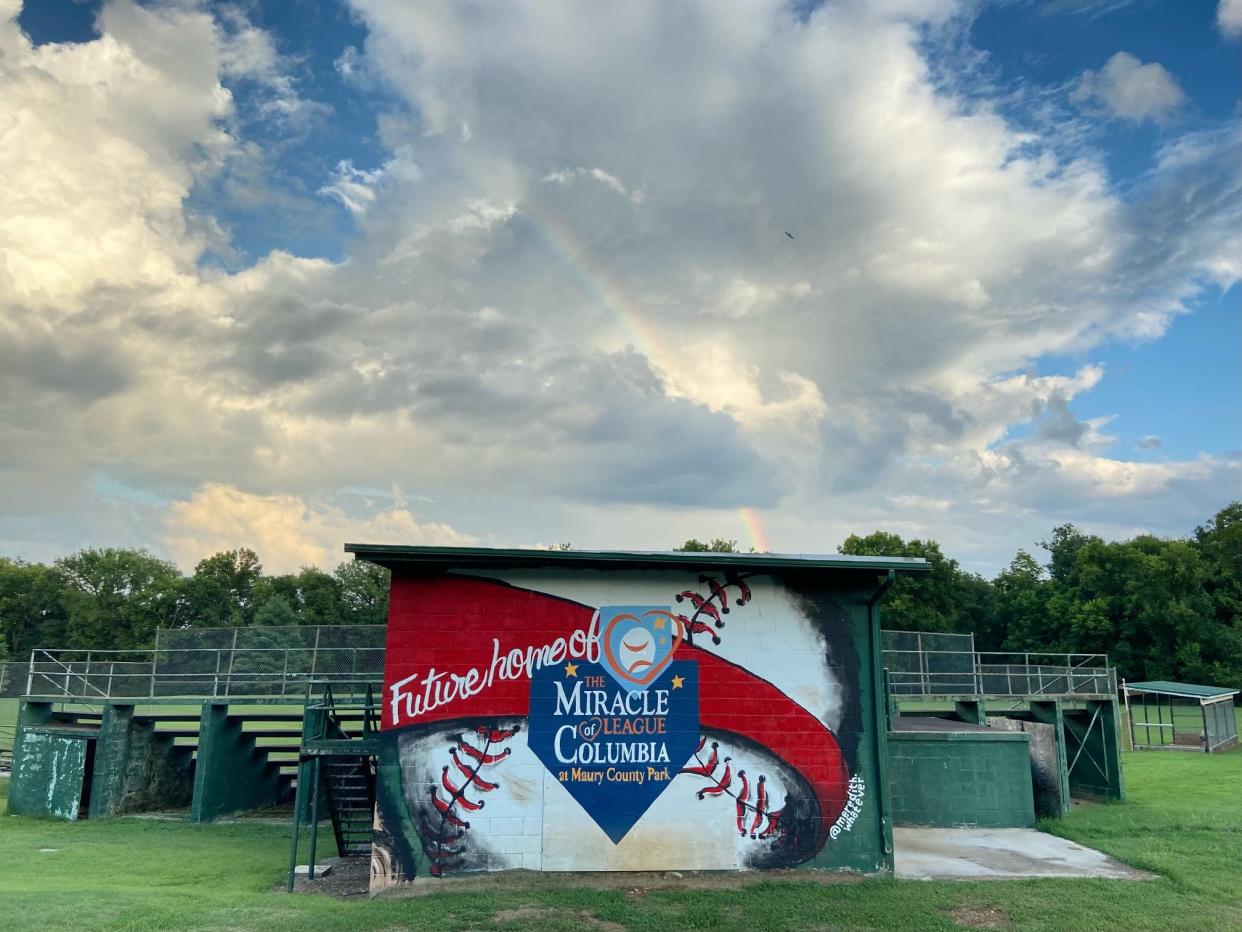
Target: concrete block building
{"type": "Point", "coordinates": [631, 711]}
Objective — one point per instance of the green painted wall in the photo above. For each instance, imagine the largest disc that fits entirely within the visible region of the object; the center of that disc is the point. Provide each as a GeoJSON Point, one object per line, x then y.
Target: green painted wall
{"type": "Point", "coordinates": [232, 774]}
{"type": "Point", "coordinates": [49, 780]}
{"type": "Point", "coordinates": [137, 769]}
{"type": "Point", "coordinates": [111, 760]}
{"type": "Point", "coordinates": [29, 715]}
{"type": "Point", "coordinates": [1093, 744]}
{"type": "Point", "coordinates": [49, 762]}
{"type": "Point", "coordinates": [132, 768]}
{"type": "Point", "coordinates": [48, 765]}
{"type": "Point", "coordinates": [867, 845]}
{"type": "Point", "coordinates": [971, 710]}
{"type": "Point", "coordinates": [961, 778]}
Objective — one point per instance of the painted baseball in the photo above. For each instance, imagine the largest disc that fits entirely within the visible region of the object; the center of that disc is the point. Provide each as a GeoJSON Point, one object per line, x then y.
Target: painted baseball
{"type": "Point", "coordinates": [646, 721]}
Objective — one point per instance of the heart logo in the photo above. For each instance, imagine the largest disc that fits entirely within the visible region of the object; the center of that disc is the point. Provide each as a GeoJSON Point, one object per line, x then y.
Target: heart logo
{"type": "Point", "coordinates": [638, 642]}
{"type": "Point", "coordinates": [589, 729]}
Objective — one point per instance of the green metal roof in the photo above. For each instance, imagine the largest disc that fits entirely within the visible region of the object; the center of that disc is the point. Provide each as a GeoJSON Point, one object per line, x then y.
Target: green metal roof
{"type": "Point", "coordinates": [478, 557]}
{"type": "Point", "coordinates": [1187, 690]}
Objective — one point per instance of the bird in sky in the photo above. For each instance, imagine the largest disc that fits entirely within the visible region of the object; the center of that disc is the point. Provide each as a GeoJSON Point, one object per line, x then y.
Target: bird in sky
{"type": "Point", "coordinates": [790, 235]}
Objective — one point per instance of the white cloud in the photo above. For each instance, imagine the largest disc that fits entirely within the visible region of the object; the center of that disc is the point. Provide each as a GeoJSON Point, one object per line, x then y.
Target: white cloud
{"type": "Point", "coordinates": [1131, 90]}
{"type": "Point", "coordinates": [249, 53]}
{"type": "Point", "coordinates": [1229, 18]}
{"type": "Point", "coordinates": [567, 176]}
{"type": "Point", "coordinates": [106, 144]}
{"type": "Point", "coordinates": [580, 318]}
{"type": "Point", "coordinates": [353, 187]}
{"type": "Point", "coordinates": [288, 532]}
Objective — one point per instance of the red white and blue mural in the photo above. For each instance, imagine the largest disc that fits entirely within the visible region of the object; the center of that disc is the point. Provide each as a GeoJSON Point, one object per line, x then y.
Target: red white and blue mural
{"type": "Point", "coordinates": [590, 720]}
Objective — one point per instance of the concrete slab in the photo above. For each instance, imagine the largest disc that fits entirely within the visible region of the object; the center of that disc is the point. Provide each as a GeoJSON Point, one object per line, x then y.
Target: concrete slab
{"type": "Point", "coordinates": [1001, 853]}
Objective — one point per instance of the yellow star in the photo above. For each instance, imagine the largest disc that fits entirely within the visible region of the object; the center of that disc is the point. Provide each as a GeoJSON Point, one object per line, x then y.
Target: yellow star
{"type": "Point", "coordinates": [678, 682]}
{"type": "Point", "coordinates": [659, 624]}
{"type": "Point", "coordinates": [571, 669]}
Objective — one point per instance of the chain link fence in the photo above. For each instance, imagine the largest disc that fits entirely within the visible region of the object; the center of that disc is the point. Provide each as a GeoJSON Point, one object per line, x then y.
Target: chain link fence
{"type": "Point", "coordinates": [13, 679]}
{"type": "Point", "coordinates": [257, 662]}
{"type": "Point", "coordinates": [921, 663]}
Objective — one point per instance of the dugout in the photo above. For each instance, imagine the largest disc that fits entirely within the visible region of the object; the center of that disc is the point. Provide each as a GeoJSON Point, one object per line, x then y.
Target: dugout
{"type": "Point", "coordinates": [1181, 716]}
{"type": "Point", "coordinates": [615, 711]}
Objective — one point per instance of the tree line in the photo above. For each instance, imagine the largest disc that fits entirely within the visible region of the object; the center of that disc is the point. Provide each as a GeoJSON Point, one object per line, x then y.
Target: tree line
{"type": "Point", "coordinates": [1160, 608]}
{"type": "Point", "coordinates": [115, 598]}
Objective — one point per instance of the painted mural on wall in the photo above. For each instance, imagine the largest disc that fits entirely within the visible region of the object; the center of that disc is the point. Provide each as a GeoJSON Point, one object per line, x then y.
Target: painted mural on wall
{"type": "Point", "coordinates": [613, 721]}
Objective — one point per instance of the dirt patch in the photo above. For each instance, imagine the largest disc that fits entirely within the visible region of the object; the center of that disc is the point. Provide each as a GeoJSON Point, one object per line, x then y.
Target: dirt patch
{"type": "Point", "coordinates": [634, 883]}
{"type": "Point", "coordinates": [584, 919]}
{"type": "Point", "coordinates": [1079, 802]}
{"type": "Point", "coordinates": [980, 917]}
{"type": "Point", "coordinates": [349, 877]}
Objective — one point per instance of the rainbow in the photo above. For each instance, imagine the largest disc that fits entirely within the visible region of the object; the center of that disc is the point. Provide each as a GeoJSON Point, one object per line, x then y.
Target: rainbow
{"type": "Point", "coordinates": [599, 281]}
{"type": "Point", "coordinates": [755, 530]}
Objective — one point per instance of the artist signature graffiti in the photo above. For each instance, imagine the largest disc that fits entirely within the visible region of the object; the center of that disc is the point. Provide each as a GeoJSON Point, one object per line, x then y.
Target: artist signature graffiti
{"type": "Point", "coordinates": [855, 793]}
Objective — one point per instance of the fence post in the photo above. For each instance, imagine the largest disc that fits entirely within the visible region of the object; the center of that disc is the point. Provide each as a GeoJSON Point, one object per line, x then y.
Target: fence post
{"type": "Point", "coordinates": [228, 679]}
{"type": "Point", "coordinates": [918, 644]}
{"type": "Point", "coordinates": [315, 652]}
{"type": "Point", "coordinates": [284, 672]}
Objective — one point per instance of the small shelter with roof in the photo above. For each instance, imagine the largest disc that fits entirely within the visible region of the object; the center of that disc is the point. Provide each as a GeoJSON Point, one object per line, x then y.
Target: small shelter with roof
{"type": "Point", "coordinates": [1181, 716]}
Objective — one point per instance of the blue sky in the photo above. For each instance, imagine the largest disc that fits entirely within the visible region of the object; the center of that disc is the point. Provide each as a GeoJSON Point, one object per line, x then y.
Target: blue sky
{"type": "Point", "coordinates": [1186, 387]}
{"type": "Point", "coordinates": [519, 275]}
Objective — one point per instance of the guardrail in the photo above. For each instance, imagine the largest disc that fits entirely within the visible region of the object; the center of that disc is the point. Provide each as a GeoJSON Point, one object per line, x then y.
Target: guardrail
{"type": "Point", "coordinates": [927, 673]}
{"type": "Point", "coordinates": [920, 669]}
{"type": "Point", "coordinates": [252, 672]}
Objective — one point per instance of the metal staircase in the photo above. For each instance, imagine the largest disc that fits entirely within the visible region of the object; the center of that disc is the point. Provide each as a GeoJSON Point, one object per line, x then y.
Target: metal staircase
{"type": "Point", "coordinates": [336, 769]}
{"type": "Point", "coordinates": [349, 785]}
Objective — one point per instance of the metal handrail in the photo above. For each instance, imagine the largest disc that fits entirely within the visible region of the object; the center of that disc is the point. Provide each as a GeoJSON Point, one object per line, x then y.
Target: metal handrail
{"type": "Point", "coordinates": [1026, 655]}
{"type": "Point", "coordinates": [67, 672]}
{"type": "Point", "coordinates": [997, 673]}
{"type": "Point", "coordinates": [63, 675]}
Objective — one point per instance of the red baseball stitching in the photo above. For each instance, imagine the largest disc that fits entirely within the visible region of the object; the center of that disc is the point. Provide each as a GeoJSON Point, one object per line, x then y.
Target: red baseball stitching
{"type": "Point", "coordinates": [439, 830]}
{"type": "Point", "coordinates": [705, 605]}
{"type": "Point", "coordinates": [722, 785]}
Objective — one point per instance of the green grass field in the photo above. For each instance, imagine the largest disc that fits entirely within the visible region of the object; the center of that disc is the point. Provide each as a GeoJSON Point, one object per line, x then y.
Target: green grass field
{"type": "Point", "coordinates": [1184, 821]}
{"type": "Point", "coordinates": [8, 722]}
